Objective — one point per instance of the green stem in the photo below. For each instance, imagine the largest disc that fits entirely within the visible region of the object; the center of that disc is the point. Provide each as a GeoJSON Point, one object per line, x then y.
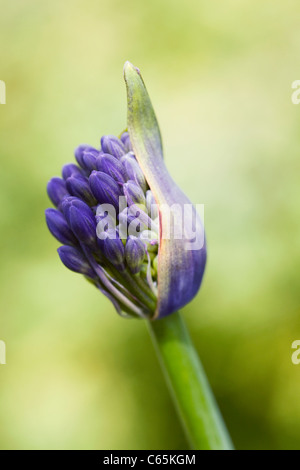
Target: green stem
{"type": "Point", "coordinates": [188, 385]}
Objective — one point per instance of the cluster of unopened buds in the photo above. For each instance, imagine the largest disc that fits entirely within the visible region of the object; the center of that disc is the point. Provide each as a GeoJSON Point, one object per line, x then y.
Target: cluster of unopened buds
{"type": "Point", "coordinates": [108, 221]}
{"type": "Point", "coordinates": [112, 217]}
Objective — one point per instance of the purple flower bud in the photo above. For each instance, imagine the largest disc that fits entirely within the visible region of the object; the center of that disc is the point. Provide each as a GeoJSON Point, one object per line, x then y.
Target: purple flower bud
{"type": "Point", "coordinates": [84, 227]}
{"type": "Point", "coordinates": [105, 189]}
{"type": "Point", "coordinates": [125, 217]}
{"type": "Point", "coordinates": [89, 159]}
{"type": "Point", "coordinates": [81, 220]}
{"type": "Point", "coordinates": [59, 228]}
{"type": "Point", "coordinates": [124, 220]}
{"type": "Point", "coordinates": [57, 190]}
{"type": "Point", "coordinates": [134, 171]}
{"type": "Point", "coordinates": [112, 167]}
{"type": "Point", "coordinates": [126, 141]}
{"type": "Point", "coordinates": [113, 248]}
{"type": "Point", "coordinates": [142, 216]}
{"type": "Point", "coordinates": [105, 222]}
{"type": "Point", "coordinates": [133, 193]}
{"type": "Point", "coordinates": [133, 221]}
{"type": "Point", "coordinates": [78, 186]}
{"type": "Point", "coordinates": [113, 145]}
{"type": "Point", "coordinates": [71, 169]}
{"type": "Point", "coordinates": [75, 260]}
{"type": "Point", "coordinates": [79, 204]}
{"type": "Point", "coordinates": [79, 151]}
{"type": "Point", "coordinates": [134, 254]}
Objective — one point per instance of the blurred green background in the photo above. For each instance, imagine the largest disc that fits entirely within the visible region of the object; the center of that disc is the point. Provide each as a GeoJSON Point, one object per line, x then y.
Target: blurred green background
{"type": "Point", "coordinates": [219, 74]}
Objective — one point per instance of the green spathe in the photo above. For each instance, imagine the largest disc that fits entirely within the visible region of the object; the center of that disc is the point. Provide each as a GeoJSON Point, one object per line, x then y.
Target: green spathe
{"type": "Point", "coordinates": [182, 258]}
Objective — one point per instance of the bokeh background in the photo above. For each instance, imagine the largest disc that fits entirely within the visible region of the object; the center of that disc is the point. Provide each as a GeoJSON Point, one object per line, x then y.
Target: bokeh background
{"type": "Point", "coordinates": [219, 74]}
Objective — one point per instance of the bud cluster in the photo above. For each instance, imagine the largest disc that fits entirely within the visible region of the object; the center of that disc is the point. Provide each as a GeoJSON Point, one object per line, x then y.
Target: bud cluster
{"type": "Point", "coordinates": [108, 222]}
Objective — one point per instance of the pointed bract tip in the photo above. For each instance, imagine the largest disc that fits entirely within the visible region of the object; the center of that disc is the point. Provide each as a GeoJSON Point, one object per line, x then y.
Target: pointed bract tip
{"type": "Point", "coordinates": [129, 68]}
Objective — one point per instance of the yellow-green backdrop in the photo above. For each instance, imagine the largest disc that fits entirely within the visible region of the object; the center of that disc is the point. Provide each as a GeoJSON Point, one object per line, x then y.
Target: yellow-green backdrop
{"type": "Point", "coordinates": [219, 74]}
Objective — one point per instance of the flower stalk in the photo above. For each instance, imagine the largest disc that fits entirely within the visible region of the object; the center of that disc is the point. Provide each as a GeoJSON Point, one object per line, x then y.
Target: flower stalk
{"type": "Point", "coordinates": [118, 214]}
{"type": "Point", "coordinates": [188, 385]}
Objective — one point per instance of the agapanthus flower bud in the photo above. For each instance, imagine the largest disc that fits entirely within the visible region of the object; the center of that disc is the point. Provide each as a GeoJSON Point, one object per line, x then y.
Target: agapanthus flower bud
{"type": "Point", "coordinates": [126, 141]}
{"type": "Point", "coordinates": [142, 272]}
{"type": "Point", "coordinates": [59, 228]}
{"type": "Point", "coordinates": [130, 224]}
{"type": "Point", "coordinates": [81, 220]}
{"type": "Point", "coordinates": [70, 201]}
{"type": "Point", "coordinates": [78, 186]}
{"type": "Point", "coordinates": [84, 227]}
{"type": "Point", "coordinates": [134, 171]}
{"type": "Point", "coordinates": [134, 193]}
{"type": "Point", "coordinates": [112, 145]}
{"type": "Point", "coordinates": [112, 167]}
{"type": "Point", "coordinates": [71, 170]}
{"type": "Point", "coordinates": [79, 152]}
{"type": "Point", "coordinates": [133, 220]}
{"type": "Point", "coordinates": [74, 260]}
{"type": "Point", "coordinates": [137, 211]}
{"type": "Point", "coordinates": [134, 254]}
{"type": "Point", "coordinates": [113, 248]}
{"type": "Point", "coordinates": [89, 159]}
{"type": "Point", "coordinates": [104, 223]}
{"type": "Point", "coordinates": [57, 190]}
{"type": "Point", "coordinates": [105, 188]}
